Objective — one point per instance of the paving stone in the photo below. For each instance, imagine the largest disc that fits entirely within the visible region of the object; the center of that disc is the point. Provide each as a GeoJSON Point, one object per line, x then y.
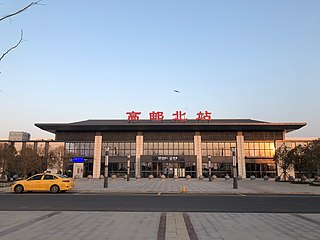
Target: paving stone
{"type": "Point", "coordinates": [135, 225]}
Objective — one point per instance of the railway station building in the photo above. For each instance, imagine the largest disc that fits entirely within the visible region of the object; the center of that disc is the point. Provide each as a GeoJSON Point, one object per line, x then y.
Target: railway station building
{"type": "Point", "coordinates": [173, 148]}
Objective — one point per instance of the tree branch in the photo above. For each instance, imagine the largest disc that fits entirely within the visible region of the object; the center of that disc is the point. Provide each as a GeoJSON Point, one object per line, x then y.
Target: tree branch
{"type": "Point", "coordinates": [19, 11]}
{"type": "Point", "coordinates": [10, 49]}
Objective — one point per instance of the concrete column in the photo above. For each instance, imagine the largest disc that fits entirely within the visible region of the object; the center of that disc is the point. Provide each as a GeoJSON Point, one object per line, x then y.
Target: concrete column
{"type": "Point", "coordinates": [97, 156]}
{"type": "Point", "coordinates": [241, 156]}
{"type": "Point", "coordinates": [198, 153]}
{"type": "Point", "coordinates": [139, 152]}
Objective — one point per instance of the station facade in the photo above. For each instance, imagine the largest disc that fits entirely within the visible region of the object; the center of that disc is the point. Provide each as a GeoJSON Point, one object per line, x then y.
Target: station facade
{"type": "Point", "coordinates": [173, 148]}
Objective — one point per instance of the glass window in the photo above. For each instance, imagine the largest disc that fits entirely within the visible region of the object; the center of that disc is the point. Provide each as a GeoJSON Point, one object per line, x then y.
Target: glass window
{"type": "Point", "coordinates": [227, 146]}
{"type": "Point", "coordinates": [150, 145]}
{"type": "Point", "coordinates": [256, 145]}
{"type": "Point", "coordinates": [175, 145]}
{"type": "Point", "coordinates": [49, 177]}
{"type": "Point", "coordinates": [161, 145]}
{"type": "Point", "coordinates": [246, 153]}
{"type": "Point", "coordinates": [215, 146]}
{"type": "Point", "coordinates": [251, 145]}
{"type": "Point", "coordinates": [171, 152]}
{"type": "Point", "coordinates": [191, 146]}
{"type": "Point", "coordinates": [181, 146]}
{"type": "Point", "coordinates": [227, 152]}
{"type": "Point", "coordinates": [156, 146]}
{"type": "Point", "coordinates": [36, 177]}
{"type": "Point", "coordinates": [171, 146]}
{"type": "Point", "coordinates": [262, 146]}
{"type": "Point", "coordinates": [145, 146]}
{"type": "Point", "coordinates": [127, 146]}
{"type": "Point", "coordinates": [161, 152]}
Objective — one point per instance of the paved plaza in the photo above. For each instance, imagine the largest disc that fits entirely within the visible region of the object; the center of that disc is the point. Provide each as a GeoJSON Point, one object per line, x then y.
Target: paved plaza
{"type": "Point", "coordinates": [193, 186]}
{"type": "Point", "coordinates": [138, 226]}
{"type": "Point", "coordinates": [220, 186]}
{"type": "Point", "coordinates": [66, 225]}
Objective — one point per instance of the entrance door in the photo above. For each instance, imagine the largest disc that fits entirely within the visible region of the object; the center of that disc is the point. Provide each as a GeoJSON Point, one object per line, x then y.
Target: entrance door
{"type": "Point", "coordinates": [169, 169]}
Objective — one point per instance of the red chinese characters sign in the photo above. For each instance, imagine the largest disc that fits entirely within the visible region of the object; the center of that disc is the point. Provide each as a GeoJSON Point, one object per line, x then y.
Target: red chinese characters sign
{"type": "Point", "coordinates": [177, 116]}
{"type": "Point", "coordinates": [133, 116]}
{"type": "Point", "coordinates": [156, 116]}
{"type": "Point", "coordinates": [203, 116]}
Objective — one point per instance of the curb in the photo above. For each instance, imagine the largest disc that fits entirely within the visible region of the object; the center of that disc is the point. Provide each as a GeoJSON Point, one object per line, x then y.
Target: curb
{"type": "Point", "coordinates": [191, 193]}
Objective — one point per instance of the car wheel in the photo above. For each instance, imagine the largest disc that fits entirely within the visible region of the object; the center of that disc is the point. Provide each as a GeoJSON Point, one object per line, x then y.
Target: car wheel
{"type": "Point", "coordinates": [54, 189]}
{"type": "Point", "coordinates": [18, 189]}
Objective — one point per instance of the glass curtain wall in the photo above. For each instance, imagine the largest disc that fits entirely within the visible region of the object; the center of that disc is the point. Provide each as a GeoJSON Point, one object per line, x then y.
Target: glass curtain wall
{"type": "Point", "coordinates": [260, 170]}
{"type": "Point", "coordinates": [168, 148]}
{"type": "Point", "coordinates": [171, 159]}
{"type": "Point", "coordinates": [80, 149]}
{"type": "Point", "coordinates": [217, 151]}
{"type": "Point", "coordinates": [259, 156]}
{"type": "Point", "coordinates": [118, 153]}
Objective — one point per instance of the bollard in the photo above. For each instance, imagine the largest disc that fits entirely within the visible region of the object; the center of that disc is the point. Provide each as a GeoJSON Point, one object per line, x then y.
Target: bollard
{"type": "Point", "coordinates": [184, 189]}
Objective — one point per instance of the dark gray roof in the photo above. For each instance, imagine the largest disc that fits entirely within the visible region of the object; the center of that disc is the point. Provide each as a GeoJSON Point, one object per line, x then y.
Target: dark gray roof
{"type": "Point", "coordinates": [170, 125]}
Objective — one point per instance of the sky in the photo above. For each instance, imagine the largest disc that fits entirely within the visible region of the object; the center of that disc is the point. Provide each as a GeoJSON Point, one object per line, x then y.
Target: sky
{"type": "Point", "coordinates": [102, 58]}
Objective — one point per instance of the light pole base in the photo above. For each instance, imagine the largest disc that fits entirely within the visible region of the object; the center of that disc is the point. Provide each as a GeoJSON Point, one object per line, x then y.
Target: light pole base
{"type": "Point", "coordinates": [235, 183]}
{"type": "Point", "coordinates": [105, 183]}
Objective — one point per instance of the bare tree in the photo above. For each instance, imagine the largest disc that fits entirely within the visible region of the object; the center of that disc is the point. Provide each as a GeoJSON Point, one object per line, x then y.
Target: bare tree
{"type": "Point", "coordinates": [312, 152]}
{"type": "Point", "coordinates": [28, 162]}
{"type": "Point", "coordinates": [282, 160]}
{"type": "Point", "coordinates": [21, 34]}
{"type": "Point", "coordinates": [7, 155]}
{"type": "Point", "coordinates": [59, 159]}
{"type": "Point", "coordinates": [55, 159]}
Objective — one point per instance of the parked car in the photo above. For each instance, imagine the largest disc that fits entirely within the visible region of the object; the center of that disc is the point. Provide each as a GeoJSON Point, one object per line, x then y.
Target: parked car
{"type": "Point", "coordinates": [44, 182]}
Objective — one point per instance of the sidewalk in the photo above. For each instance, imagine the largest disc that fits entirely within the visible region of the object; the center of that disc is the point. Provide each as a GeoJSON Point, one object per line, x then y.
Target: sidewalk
{"type": "Point", "coordinates": [49, 225]}
{"type": "Point", "coordinates": [29, 225]}
{"type": "Point", "coordinates": [193, 186]}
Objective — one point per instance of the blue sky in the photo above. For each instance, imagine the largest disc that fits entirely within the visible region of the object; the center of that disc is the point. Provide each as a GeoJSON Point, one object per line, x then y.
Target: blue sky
{"type": "Point", "coordinates": [99, 59]}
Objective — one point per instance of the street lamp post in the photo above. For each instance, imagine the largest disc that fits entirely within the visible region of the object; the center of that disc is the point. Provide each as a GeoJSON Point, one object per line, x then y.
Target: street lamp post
{"type": "Point", "coordinates": [209, 166]}
{"type": "Point", "coordinates": [234, 164]}
{"type": "Point", "coordinates": [106, 170]}
{"type": "Point", "coordinates": [128, 168]}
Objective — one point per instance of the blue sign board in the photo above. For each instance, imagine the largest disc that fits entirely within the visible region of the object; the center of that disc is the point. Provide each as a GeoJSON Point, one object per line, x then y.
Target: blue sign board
{"type": "Point", "coordinates": [78, 160]}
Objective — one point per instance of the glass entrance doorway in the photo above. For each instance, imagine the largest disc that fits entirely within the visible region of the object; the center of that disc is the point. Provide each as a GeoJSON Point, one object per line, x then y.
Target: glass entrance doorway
{"type": "Point", "coordinates": [169, 169]}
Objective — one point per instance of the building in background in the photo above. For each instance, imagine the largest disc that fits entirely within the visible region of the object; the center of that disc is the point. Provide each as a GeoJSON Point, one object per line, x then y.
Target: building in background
{"type": "Point", "coordinates": [19, 136]}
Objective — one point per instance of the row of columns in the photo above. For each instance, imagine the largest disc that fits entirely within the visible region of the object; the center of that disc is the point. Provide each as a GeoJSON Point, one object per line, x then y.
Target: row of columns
{"type": "Point", "coordinates": [197, 151]}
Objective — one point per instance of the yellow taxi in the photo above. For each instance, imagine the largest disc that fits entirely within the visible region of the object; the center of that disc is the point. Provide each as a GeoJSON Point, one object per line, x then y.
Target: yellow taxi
{"type": "Point", "coordinates": [44, 182]}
